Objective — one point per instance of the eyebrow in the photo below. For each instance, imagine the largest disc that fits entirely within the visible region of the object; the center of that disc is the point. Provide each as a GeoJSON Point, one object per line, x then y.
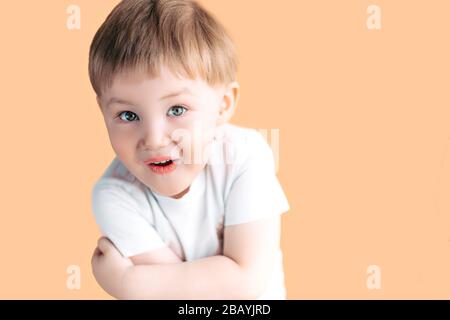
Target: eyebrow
{"type": "Point", "coordinates": [184, 90]}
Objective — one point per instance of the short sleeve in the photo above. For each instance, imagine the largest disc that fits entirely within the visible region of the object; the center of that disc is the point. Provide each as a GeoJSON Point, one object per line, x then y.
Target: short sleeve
{"type": "Point", "coordinates": [255, 192]}
{"type": "Point", "coordinates": [120, 219]}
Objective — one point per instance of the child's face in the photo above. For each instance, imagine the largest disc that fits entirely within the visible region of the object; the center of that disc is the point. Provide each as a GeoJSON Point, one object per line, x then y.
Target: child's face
{"type": "Point", "coordinates": [149, 122]}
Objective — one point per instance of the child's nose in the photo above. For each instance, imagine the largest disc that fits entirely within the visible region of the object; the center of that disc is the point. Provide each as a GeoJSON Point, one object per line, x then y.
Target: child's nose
{"type": "Point", "coordinates": [155, 137]}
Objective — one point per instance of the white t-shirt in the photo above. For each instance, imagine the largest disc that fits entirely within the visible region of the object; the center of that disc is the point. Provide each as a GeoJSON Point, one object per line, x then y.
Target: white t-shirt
{"type": "Point", "coordinates": [237, 185]}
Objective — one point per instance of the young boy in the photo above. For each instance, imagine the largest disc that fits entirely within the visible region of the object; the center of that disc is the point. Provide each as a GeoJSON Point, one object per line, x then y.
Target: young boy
{"type": "Point", "coordinates": [190, 207]}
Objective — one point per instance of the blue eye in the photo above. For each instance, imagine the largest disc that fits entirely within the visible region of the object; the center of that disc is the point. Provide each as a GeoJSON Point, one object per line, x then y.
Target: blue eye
{"type": "Point", "coordinates": [128, 116]}
{"type": "Point", "coordinates": [176, 111]}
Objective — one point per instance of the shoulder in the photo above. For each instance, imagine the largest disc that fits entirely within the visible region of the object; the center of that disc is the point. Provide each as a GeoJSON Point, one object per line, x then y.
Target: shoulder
{"type": "Point", "coordinates": [117, 184]}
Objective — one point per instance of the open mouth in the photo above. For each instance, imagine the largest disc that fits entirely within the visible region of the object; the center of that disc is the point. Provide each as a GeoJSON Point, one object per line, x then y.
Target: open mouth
{"type": "Point", "coordinates": [163, 167]}
{"type": "Point", "coordinates": [162, 163]}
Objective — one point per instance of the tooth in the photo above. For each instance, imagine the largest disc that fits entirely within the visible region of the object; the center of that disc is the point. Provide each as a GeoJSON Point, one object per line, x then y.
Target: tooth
{"type": "Point", "coordinates": [162, 162]}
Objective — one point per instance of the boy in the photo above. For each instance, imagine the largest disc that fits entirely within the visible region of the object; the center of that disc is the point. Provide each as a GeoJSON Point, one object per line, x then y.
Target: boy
{"type": "Point", "coordinates": [190, 207]}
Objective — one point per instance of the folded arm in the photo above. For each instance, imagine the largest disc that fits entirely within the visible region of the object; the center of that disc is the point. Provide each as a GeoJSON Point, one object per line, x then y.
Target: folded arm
{"type": "Point", "coordinates": [216, 277]}
{"type": "Point", "coordinates": [242, 272]}
{"type": "Point", "coordinates": [163, 255]}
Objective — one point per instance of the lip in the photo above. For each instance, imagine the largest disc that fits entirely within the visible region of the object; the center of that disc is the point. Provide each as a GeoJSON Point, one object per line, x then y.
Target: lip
{"type": "Point", "coordinates": [160, 169]}
{"type": "Point", "coordinates": [158, 159]}
{"type": "Point", "coordinates": [163, 170]}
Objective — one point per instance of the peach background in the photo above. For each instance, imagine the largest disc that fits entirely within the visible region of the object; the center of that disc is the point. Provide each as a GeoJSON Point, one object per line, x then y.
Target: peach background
{"type": "Point", "coordinates": [365, 142]}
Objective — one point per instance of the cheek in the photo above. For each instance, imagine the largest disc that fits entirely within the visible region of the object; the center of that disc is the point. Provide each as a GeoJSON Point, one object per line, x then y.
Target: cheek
{"type": "Point", "coordinates": [201, 137]}
{"type": "Point", "coordinates": [196, 135]}
{"type": "Point", "coordinates": [121, 141]}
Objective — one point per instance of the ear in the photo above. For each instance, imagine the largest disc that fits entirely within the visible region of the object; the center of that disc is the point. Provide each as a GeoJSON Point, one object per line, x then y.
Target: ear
{"type": "Point", "coordinates": [228, 103]}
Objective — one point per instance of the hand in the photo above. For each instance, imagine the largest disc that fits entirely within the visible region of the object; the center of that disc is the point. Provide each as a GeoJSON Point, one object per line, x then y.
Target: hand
{"type": "Point", "coordinates": [110, 267]}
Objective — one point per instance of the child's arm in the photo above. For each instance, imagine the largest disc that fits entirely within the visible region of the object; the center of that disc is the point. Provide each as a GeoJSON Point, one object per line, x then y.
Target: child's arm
{"type": "Point", "coordinates": [241, 273]}
{"type": "Point", "coordinates": [164, 255]}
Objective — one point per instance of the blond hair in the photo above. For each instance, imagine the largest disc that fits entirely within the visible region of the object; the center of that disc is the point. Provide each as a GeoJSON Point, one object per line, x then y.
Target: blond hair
{"type": "Point", "coordinates": [142, 35]}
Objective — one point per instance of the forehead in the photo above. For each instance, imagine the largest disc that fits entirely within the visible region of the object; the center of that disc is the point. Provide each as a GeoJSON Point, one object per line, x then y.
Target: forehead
{"type": "Point", "coordinates": [141, 86]}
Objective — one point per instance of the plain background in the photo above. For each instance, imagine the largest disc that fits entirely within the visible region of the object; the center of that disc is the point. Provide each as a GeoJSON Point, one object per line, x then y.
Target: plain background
{"type": "Point", "coordinates": [364, 142]}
